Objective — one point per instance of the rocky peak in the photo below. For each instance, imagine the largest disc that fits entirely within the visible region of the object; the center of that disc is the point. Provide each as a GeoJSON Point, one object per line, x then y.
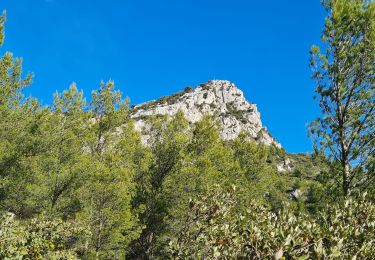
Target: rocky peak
{"type": "Point", "coordinates": [219, 98]}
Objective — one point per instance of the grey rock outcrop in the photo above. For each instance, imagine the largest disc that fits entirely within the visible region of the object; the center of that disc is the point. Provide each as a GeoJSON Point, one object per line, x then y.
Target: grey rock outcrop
{"type": "Point", "coordinates": [219, 98]}
{"type": "Point", "coordinates": [285, 166]}
{"type": "Point", "coordinates": [295, 194]}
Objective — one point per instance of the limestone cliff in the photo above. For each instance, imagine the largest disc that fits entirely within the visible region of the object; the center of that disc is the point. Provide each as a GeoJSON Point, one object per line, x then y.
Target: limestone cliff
{"type": "Point", "coordinates": [219, 98]}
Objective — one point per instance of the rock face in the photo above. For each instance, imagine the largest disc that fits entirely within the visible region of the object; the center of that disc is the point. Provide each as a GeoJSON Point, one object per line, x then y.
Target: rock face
{"type": "Point", "coordinates": [219, 98]}
{"type": "Point", "coordinates": [285, 166]}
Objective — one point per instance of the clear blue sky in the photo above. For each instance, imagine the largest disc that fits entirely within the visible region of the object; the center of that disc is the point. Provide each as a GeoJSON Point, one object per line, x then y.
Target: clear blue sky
{"type": "Point", "coordinates": [154, 48]}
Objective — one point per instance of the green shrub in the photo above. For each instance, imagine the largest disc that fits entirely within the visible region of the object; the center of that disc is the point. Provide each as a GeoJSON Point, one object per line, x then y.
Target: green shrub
{"type": "Point", "coordinates": [39, 238]}
{"type": "Point", "coordinates": [205, 86]}
{"type": "Point", "coordinates": [188, 89]}
{"type": "Point", "coordinates": [214, 229]}
{"type": "Point", "coordinates": [238, 114]}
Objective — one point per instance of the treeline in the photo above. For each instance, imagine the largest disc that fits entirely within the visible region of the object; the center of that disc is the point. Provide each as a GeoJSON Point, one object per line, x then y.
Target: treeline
{"type": "Point", "coordinates": [77, 181]}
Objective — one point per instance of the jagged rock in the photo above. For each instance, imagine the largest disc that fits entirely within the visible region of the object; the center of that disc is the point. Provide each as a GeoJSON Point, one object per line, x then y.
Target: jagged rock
{"type": "Point", "coordinates": [295, 194]}
{"type": "Point", "coordinates": [218, 98]}
{"type": "Point", "coordinates": [285, 166]}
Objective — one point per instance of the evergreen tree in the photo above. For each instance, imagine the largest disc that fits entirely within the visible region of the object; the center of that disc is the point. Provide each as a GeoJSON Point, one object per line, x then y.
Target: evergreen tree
{"type": "Point", "coordinates": [260, 176]}
{"type": "Point", "coordinates": [168, 139]}
{"type": "Point", "coordinates": [60, 164]}
{"type": "Point", "coordinates": [344, 73]}
{"type": "Point", "coordinates": [16, 125]}
{"type": "Point", "coordinates": [111, 144]}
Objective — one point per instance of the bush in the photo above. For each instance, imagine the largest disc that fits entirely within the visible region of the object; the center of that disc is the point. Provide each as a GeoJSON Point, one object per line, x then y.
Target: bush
{"type": "Point", "coordinates": [188, 89]}
{"type": "Point", "coordinates": [38, 239]}
{"type": "Point", "coordinates": [206, 86]}
{"type": "Point", "coordinates": [215, 230]}
{"type": "Point", "coordinates": [238, 114]}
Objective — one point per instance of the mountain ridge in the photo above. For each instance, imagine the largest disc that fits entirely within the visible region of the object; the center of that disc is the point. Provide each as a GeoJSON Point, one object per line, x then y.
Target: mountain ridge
{"type": "Point", "coordinates": [219, 98]}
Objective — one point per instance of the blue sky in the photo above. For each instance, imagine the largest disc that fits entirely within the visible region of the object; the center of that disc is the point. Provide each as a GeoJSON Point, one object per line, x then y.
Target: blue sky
{"type": "Point", "coordinates": [153, 48]}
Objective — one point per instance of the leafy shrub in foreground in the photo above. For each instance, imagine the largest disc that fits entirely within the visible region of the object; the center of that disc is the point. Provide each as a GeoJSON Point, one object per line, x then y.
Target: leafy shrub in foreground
{"type": "Point", "coordinates": [215, 230]}
{"type": "Point", "coordinates": [38, 239]}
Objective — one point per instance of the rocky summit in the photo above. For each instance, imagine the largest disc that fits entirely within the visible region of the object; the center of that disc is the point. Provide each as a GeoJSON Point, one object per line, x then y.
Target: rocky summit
{"type": "Point", "coordinates": [218, 98]}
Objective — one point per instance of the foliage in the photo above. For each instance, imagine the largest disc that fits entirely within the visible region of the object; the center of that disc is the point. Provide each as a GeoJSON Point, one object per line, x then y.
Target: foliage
{"type": "Point", "coordinates": [169, 139]}
{"type": "Point", "coordinates": [213, 229]}
{"type": "Point", "coordinates": [344, 73]}
{"type": "Point", "coordinates": [238, 114]}
{"type": "Point", "coordinates": [112, 145]}
{"type": "Point", "coordinates": [188, 89]}
{"type": "Point", "coordinates": [58, 164]}
{"type": "Point", "coordinates": [166, 99]}
{"type": "Point", "coordinates": [10, 74]}
{"type": "Point", "coordinates": [16, 121]}
{"type": "Point", "coordinates": [39, 238]}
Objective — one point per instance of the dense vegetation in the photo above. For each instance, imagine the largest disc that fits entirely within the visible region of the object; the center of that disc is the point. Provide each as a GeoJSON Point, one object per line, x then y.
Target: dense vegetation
{"type": "Point", "coordinates": [76, 181]}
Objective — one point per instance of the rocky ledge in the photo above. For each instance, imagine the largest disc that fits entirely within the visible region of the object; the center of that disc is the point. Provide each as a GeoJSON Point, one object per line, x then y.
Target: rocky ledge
{"type": "Point", "coordinates": [219, 98]}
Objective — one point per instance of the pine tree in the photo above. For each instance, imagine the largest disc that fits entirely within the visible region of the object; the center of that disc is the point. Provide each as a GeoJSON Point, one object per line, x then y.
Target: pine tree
{"type": "Point", "coordinates": [168, 140]}
{"type": "Point", "coordinates": [111, 144]}
{"type": "Point", "coordinates": [60, 164]}
{"type": "Point", "coordinates": [344, 73]}
{"type": "Point", "coordinates": [16, 125]}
